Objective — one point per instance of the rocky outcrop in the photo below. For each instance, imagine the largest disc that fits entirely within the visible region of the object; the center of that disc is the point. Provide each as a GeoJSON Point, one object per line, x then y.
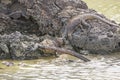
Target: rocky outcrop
{"type": "Point", "coordinates": [23, 23]}
{"type": "Point", "coordinates": [39, 17]}
{"type": "Point", "coordinates": [88, 30]}
{"type": "Point", "coordinates": [94, 33]}
{"type": "Point", "coordinates": [17, 46]}
{"type": "Point", "coordinates": [96, 40]}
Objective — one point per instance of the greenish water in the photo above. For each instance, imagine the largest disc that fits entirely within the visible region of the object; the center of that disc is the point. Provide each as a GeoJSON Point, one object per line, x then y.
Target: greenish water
{"type": "Point", "coordinates": [102, 67]}
{"type": "Point", "coordinates": [110, 8]}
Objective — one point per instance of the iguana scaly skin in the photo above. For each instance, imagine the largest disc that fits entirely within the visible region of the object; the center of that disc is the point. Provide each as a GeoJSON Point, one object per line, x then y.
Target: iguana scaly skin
{"type": "Point", "coordinates": [81, 19]}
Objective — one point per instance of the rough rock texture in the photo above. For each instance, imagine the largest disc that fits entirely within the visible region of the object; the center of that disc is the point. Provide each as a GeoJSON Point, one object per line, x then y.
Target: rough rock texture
{"type": "Point", "coordinates": [97, 37]}
{"type": "Point", "coordinates": [96, 42]}
{"type": "Point", "coordinates": [41, 17]}
{"type": "Point", "coordinates": [18, 46]}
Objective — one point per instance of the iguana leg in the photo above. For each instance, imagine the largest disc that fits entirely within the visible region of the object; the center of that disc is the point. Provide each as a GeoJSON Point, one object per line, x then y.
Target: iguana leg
{"type": "Point", "coordinates": [85, 24]}
{"type": "Point", "coordinates": [67, 35]}
{"type": "Point", "coordinates": [70, 27]}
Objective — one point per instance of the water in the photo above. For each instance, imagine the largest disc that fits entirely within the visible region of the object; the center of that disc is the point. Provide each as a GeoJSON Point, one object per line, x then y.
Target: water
{"type": "Point", "coordinates": [102, 67]}
{"type": "Point", "coordinates": [110, 8]}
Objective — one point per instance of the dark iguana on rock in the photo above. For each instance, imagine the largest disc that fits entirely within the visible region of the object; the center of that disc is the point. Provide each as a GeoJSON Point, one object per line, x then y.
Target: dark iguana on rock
{"type": "Point", "coordinates": [81, 20]}
{"type": "Point", "coordinates": [63, 51]}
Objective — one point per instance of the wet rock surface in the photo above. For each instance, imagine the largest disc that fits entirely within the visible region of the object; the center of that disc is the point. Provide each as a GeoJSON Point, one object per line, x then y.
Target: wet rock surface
{"type": "Point", "coordinates": [23, 23]}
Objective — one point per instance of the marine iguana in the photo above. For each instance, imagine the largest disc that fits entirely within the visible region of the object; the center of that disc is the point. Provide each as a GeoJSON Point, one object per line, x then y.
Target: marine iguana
{"type": "Point", "coordinates": [81, 19]}
{"type": "Point", "coordinates": [54, 49]}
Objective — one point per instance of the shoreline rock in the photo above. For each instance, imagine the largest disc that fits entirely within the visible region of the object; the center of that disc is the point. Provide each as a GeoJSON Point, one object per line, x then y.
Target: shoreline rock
{"type": "Point", "coordinates": [23, 23]}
